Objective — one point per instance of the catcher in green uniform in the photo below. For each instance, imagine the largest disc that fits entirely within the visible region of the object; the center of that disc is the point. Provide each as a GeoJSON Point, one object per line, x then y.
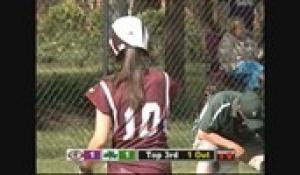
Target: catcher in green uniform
{"type": "Point", "coordinates": [231, 120]}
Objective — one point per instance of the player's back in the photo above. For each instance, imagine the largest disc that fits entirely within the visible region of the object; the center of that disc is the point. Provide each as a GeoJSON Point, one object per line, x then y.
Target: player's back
{"type": "Point", "coordinates": [232, 127]}
{"type": "Point", "coordinates": [223, 97]}
{"type": "Point", "coordinates": [143, 128]}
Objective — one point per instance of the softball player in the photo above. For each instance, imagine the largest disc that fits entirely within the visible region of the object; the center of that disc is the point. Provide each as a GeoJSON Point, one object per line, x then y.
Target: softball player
{"type": "Point", "coordinates": [231, 120]}
{"type": "Point", "coordinates": [133, 104]}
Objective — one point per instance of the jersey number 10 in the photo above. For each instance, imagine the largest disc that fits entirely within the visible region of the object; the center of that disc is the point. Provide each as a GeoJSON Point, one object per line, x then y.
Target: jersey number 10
{"type": "Point", "coordinates": [147, 109]}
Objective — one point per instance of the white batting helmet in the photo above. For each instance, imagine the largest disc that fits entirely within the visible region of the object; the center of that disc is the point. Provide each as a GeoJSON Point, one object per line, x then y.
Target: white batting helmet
{"type": "Point", "coordinates": [129, 31]}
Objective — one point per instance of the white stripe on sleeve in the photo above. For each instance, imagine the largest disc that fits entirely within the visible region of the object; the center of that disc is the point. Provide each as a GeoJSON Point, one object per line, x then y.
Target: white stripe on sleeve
{"type": "Point", "coordinates": [219, 111]}
{"type": "Point", "coordinates": [167, 99]}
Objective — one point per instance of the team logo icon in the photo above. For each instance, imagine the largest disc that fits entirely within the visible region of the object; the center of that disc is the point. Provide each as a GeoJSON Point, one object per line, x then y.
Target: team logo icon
{"type": "Point", "coordinates": [110, 155]}
{"type": "Point", "coordinates": [75, 155]}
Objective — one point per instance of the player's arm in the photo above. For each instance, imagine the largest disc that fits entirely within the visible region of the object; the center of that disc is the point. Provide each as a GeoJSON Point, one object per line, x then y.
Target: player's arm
{"type": "Point", "coordinates": [218, 140]}
{"type": "Point", "coordinates": [100, 137]}
{"type": "Point", "coordinates": [103, 126]}
{"type": "Point", "coordinates": [210, 122]}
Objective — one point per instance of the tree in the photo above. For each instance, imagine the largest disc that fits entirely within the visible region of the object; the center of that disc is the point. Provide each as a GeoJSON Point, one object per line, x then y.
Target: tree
{"type": "Point", "coordinates": [118, 8]}
{"type": "Point", "coordinates": [174, 40]}
{"type": "Point", "coordinates": [142, 5]}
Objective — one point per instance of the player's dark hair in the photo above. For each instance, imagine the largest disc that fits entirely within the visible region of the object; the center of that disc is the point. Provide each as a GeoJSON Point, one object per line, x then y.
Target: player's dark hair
{"type": "Point", "coordinates": [135, 65]}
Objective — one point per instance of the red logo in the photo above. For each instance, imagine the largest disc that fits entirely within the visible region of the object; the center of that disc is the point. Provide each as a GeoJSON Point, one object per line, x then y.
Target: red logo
{"type": "Point", "coordinates": [225, 155]}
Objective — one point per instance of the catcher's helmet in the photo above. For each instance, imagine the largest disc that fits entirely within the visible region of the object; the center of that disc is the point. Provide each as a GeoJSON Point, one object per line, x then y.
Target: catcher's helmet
{"type": "Point", "coordinates": [128, 31]}
{"type": "Point", "coordinates": [252, 107]}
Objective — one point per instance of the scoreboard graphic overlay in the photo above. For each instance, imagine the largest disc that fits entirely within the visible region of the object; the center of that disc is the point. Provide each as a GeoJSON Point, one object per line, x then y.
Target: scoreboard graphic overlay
{"type": "Point", "coordinates": [149, 154]}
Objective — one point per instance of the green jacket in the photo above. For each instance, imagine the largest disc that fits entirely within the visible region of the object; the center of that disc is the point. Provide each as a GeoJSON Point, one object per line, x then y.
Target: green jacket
{"type": "Point", "coordinates": [219, 116]}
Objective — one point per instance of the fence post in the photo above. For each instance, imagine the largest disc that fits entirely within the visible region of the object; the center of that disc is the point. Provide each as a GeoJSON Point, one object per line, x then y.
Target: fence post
{"type": "Point", "coordinates": [104, 58]}
{"type": "Point", "coordinates": [174, 40]}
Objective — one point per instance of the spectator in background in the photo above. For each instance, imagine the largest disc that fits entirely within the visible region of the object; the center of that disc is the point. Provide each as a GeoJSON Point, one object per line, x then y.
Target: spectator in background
{"type": "Point", "coordinates": [215, 17]}
{"type": "Point", "coordinates": [215, 74]}
{"type": "Point", "coordinates": [243, 9]}
{"type": "Point", "coordinates": [251, 75]}
{"type": "Point", "coordinates": [235, 46]}
{"type": "Point", "coordinates": [259, 26]}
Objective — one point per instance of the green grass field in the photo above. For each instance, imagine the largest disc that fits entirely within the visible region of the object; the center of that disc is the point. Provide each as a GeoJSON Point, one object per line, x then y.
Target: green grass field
{"type": "Point", "coordinates": [51, 147]}
{"type": "Point", "coordinates": [60, 165]}
{"type": "Point", "coordinates": [71, 131]}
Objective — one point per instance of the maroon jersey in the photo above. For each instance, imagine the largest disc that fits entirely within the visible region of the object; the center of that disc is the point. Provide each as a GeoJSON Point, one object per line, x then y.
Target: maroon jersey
{"type": "Point", "coordinates": [145, 128]}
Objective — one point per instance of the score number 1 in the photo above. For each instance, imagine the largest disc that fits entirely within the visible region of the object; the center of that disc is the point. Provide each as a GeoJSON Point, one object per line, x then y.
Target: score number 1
{"type": "Point", "coordinates": [91, 154]}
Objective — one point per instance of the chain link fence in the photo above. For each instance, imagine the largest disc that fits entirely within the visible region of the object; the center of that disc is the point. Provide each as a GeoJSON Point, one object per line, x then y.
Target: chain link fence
{"type": "Point", "coordinates": [185, 37]}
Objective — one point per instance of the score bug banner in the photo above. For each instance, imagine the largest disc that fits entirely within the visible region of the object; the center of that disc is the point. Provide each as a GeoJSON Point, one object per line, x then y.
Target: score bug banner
{"type": "Point", "coordinates": [149, 154]}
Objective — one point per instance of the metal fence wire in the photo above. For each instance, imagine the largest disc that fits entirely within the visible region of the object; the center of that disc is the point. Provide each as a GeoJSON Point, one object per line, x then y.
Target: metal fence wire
{"type": "Point", "coordinates": [185, 37]}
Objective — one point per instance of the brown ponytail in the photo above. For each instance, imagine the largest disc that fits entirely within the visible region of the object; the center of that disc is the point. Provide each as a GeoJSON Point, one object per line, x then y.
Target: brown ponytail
{"type": "Point", "coordinates": [135, 64]}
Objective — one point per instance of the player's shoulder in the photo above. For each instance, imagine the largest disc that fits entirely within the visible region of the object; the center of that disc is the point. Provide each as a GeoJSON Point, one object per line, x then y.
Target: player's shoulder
{"type": "Point", "coordinates": [93, 90]}
{"type": "Point", "coordinates": [96, 87]}
{"type": "Point", "coordinates": [156, 74]}
{"type": "Point", "coordinates": [155, 70]}
{"type": "Point", "coordinates": [224, 97]}
{"type": "Point", "coordinates": [107, 78]}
